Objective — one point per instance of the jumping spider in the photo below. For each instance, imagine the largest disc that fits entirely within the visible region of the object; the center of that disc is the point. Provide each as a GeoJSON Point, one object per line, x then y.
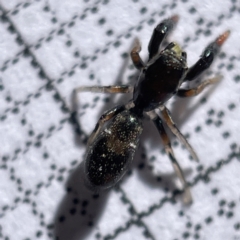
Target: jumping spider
{"type": "Point", "coordinates": [111, 149]}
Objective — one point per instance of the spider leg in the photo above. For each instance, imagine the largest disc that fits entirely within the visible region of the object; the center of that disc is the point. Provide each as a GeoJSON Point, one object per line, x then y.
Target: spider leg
{"type": "Point", "coordinates": [195, 91]}
{"type": "Point", "coordinates": [104, 89]}
{"type": "Point", "coordinates": [159, 33]}
{"type": "Point", "coordinates": [206, 58]}
{"type": "Point", "coordinates": [168, 119]}
{"type": "Point", "coordinates": [108, 115]}
{"type": "Point", "coordinates": [96, 89]}
{"type": "Point", "coordinates": [136, 59]}
{"type": "Point", "coordinates": [168, 149]}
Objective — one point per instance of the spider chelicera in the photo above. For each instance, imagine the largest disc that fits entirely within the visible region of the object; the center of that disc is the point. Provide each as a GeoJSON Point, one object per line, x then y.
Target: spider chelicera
{"type": "Point", "coordinates": [111, 148]}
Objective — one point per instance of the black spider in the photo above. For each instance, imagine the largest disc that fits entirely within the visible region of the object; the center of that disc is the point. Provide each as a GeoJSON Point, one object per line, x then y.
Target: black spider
{"type": "Point", "coordinates": [111, 149]}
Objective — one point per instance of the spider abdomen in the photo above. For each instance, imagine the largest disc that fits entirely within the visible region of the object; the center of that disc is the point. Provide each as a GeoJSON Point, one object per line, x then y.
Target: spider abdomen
{"type": "Point", "coordinates": [109, 156]}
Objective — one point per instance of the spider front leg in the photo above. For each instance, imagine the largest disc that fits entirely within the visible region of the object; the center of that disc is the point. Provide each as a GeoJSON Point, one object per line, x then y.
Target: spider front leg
{"type": "Point", "coordinates": [168, 119]}
{"type": "Point", "coordinates": [206, 58]}
{"type": "Point", "coordinates": [136, 59]}
{"type": "Point", "coordinates": [159, 33]}
{"type": "Point", "coordinates": [168, 149]}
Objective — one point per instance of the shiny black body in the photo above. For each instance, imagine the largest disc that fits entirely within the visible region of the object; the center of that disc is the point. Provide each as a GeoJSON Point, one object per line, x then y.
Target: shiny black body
{"type": "Point", "coordinates": [111, 148]}
{"type": "Point", "coordinates": [159, 81]}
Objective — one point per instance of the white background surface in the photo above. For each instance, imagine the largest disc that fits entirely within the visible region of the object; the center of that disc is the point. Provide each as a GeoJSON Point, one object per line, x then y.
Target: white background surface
{"type": "Point", "coordinates": [50, 47]}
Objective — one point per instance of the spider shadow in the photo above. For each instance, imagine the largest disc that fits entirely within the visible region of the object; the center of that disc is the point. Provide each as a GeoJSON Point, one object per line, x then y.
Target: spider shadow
{"type": "Point", "coordinates": [79, 210]}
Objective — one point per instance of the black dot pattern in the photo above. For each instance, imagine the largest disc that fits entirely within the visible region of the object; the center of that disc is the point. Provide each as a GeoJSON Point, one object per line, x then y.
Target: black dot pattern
{"type": "Point", "coordinates": [47, 49]}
